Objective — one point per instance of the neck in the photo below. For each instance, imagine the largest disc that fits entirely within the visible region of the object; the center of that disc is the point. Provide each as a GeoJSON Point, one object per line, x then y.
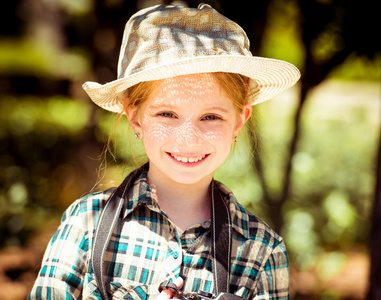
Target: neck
{"type": "Point", "coordinates": [185, 204]}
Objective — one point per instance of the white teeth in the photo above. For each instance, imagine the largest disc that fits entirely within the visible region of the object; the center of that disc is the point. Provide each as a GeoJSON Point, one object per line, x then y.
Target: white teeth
{"type": "Point", "coordinates": [186, 159]}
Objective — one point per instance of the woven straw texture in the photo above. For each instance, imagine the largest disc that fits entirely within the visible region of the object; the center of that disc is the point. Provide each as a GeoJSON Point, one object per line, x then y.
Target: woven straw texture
{"type": "Point", "coordinates": [166, 40]}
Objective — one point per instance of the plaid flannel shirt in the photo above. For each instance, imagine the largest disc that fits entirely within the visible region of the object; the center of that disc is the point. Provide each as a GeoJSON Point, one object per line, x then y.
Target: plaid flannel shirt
{"type": "Point", "coordinates": [145, 249]}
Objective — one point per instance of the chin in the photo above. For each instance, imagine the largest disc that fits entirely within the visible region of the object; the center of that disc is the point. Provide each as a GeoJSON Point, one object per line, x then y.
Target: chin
{"type": "Point", "coordinates": [189, 179]}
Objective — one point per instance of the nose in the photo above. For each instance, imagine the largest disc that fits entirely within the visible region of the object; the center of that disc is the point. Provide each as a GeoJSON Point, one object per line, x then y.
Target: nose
{"type": "Point", "coordinates": [188, 134]}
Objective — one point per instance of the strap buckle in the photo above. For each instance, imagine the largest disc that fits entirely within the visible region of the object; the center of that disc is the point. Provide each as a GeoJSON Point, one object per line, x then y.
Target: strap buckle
{"type": "Point", "coordinates": [169, 285]}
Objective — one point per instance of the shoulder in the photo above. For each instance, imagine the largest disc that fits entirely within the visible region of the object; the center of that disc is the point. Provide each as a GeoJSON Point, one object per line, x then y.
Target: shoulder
{"type": "Point", "coordinates": [259, 257]}
{"type": "Point", "coordinates": [90, 206]}
{"type": "Point", "coordinates": [87, 207]}
{"type": "Point", "coordinates": [249, 226]}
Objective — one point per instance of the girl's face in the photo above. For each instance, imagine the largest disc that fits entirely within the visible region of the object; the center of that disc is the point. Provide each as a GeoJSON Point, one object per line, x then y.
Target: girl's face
{"type": "Point", "coordinates": [187, 125]}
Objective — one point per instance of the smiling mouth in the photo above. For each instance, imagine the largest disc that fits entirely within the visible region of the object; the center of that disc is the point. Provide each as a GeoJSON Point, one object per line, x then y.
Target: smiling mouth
{"type": "Point", "coordinates": [186, 159]}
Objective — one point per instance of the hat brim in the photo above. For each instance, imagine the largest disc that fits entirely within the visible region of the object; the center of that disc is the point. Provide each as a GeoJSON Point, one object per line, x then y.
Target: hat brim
{"type": "Point", "coordinates": [269, 77]}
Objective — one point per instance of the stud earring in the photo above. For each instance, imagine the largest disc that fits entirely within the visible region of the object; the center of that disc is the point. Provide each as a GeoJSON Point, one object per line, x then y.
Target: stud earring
{"type": "Point", "coordinates": [137, 135]}
{"type": "Point", "coordinates": [235, 139]}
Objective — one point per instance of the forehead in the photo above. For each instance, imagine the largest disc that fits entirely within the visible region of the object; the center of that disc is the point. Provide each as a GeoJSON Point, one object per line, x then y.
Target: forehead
{"type": "Point", "coordinates": [186, 89]}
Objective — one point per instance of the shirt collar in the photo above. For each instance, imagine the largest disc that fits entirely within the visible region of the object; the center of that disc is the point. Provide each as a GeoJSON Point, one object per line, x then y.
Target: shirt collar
{"type": "Point", "coordinates": [140, 193]}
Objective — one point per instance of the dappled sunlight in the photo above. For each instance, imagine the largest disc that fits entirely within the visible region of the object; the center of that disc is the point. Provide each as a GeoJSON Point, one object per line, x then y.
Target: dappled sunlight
{"type": "Point", "coordinates": [53, 139]}
{"type": "Point", "coordinates": [336, 275]}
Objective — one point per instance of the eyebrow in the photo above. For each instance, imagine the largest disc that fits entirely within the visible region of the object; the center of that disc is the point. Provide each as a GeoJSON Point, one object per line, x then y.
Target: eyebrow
{"type": "Point", "coordinates": [172, 107]}
{"type": "Point", "coordinates": [222, 109]}
{"type": "Point", "coordinates": [161, 106]}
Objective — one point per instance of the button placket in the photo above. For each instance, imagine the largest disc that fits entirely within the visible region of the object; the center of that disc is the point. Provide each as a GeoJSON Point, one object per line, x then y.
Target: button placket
{"type": "Point", "coordinates": [173, 261]}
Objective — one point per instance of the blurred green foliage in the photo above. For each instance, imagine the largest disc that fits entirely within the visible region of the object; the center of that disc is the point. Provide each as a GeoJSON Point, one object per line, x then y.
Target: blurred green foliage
{"type": "Point", "coordinates": [33, 57]}
{"type": "Point", "coordinates": [333, 170]}
{"type": "Point", "coordinates": [37, 138]}
{"type": "Point", "coordinates": [51, 146]}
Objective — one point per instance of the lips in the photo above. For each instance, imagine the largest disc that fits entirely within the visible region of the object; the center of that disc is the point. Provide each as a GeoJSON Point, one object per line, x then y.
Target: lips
{"type": "Point", "coordinates": [188, 159]}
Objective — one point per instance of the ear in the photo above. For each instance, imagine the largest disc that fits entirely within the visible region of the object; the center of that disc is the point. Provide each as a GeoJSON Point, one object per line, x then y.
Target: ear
{"type": "Point", "coordinates": [242, 118]}
{"type": "Point", "coordinates": [132, 116]}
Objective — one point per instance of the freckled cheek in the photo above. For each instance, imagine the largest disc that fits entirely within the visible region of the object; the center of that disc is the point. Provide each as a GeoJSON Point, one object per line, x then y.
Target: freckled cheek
{"type": "Point", "coordinates": [155, 132]}
{"type": "Point", "coordinates": [214, 135]}
{"type": "Point", "coordinates": [218, 135]}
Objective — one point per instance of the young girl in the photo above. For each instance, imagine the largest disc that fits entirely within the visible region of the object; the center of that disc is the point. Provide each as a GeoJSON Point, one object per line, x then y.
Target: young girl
{"type": "Point", "coordinates": [186, 82]}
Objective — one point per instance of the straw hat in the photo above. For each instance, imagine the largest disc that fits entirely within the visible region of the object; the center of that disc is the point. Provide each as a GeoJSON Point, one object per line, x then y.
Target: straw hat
{"type": "Point", "coordinates": [167, 40]}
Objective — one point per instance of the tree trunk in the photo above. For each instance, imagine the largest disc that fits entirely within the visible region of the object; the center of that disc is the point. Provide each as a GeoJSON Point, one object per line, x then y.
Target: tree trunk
{"type": "Point", "coordinates": [275, 203]}
{"type": "Point", "coordinates": [374, 292]}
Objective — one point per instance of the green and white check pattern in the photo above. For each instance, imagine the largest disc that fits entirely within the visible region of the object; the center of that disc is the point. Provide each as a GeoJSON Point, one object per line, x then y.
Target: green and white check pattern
{"type": "Point", "coordinates": [145, 249]}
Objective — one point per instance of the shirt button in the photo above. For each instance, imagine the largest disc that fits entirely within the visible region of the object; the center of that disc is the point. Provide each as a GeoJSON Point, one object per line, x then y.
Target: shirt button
{"type": "Point", "coordinates": [175, 254]}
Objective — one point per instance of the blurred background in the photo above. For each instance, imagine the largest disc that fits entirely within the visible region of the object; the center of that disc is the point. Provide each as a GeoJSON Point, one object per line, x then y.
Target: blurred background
{"type": "Point", "coordinates": [312, 174]}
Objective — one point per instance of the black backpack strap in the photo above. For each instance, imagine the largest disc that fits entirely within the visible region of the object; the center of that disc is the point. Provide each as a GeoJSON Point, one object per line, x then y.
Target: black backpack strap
{"type": "Point", "coordinates": [221, 240]}
{"type": "Point", "coordinates": [105, 227]}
